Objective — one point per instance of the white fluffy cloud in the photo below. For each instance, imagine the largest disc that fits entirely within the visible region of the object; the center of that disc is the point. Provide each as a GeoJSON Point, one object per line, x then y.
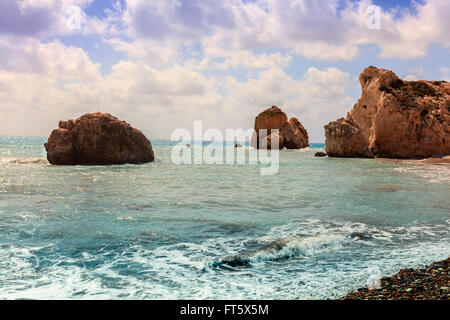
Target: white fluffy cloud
{"type": "Point", "coordinates": [53, 59]}
{"type": "Point", "coordinates": [40, 82]}
{"type": "Point", "coordinates": [49, 18]}
{"type": "Point", "coordinates": [324, 30]}
{"type": "Point", "coordinates": [445, 73]}
{"type": "Point", "coordinates": [67, 84]}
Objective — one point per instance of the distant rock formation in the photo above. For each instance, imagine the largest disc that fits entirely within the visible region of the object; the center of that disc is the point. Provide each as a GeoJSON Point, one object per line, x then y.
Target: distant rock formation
{"type": "Point", "coordinates": [393, 119]}
{"type": "Point", "coordinates": [295, 135]}
{"type": "Point", "coordinates": [291, 135]}
{"type": "Point", "coordinates": [97, 139]}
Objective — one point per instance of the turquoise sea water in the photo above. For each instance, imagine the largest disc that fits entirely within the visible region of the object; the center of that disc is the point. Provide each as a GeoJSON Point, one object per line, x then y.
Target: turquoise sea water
{"type": "Point", "coordinates": [162, 231]}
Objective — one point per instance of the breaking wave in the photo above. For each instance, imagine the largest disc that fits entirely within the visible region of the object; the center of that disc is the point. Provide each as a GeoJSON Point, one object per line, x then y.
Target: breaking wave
{"type": "Point", "coordinates": [285, 249]}
{"type": "Point", "coordinates": [185, 269]}
{"type": "Point", "coordinates": [326, 238]}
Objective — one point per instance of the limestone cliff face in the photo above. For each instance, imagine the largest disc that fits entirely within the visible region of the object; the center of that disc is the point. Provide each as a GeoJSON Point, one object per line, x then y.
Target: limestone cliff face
{"type": "Point", "coordinates": [291, 135]}
{"type": "Point", "coordinates": [97, 139]}
{"type": "Point", "coordinates": [393, 119]}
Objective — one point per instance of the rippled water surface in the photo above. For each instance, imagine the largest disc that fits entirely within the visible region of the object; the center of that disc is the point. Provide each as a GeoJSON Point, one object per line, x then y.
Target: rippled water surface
{"type": "Point", "coordinates": [165, 231]}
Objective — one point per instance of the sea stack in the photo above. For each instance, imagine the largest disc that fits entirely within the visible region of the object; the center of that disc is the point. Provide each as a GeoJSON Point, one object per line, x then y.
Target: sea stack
{"type": "Point", "coordinates": [291, 134]}
{"type": "Point", "coordinates": [393, 119]}
{"type": "Point", "coordinates": [97, 139]}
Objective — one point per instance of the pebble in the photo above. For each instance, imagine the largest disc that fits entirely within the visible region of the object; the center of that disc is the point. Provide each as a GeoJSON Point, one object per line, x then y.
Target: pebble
{"type": "Point", "coordinates": [429, 283]}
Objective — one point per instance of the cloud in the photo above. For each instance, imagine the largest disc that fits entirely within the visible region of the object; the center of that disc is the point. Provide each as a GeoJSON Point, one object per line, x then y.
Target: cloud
{"type": "Point", "coordinates": [410, 77]}
{"type": "Point", "coordinates": [152, 52]}
{"type": "Point", "coordinates": [226, 60]}
{"type": "Point", "coordinates": [43, 81]}
{"type": "Point", "coordinates": [41, 84]}
{"type": "Point", "coordinates": [411, 35]}
{"type": "Point", "coordinates": [323, 30]}
{"type": "Point", "coordinates": [49, 18]}
{"type": "Point", "coordinates": [51, 59]}
{"type": "Point", "coordinates": [186, 60]}
{"type": "Point", "coordinates": [25, 20]}
{"type": "Point", "coordinates": [187, 20]}
{"type": "Point", "coordinates": [445, 73]}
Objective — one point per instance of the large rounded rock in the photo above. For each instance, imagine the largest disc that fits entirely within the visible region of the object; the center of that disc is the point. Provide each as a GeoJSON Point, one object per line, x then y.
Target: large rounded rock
{"type": "Point", "coordinates": [393, 119]}
{"type": "Point", "coordinates": [269, 119]}
{"type": "Point", "coordinates": [272, 118]}
{"type": "Point", "coordinates": [97, 139]}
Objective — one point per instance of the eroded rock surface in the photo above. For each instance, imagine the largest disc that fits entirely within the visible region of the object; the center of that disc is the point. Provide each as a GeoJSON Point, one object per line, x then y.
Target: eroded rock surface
{"type": "Point", "coordinates": [97, 139]}
{"type": "Point", "coordinates": [393, 119]}
{"type": "Point", "coordinates": [291, 134]}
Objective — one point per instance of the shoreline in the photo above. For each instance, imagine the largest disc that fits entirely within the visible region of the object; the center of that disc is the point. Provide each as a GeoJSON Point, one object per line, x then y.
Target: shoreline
{"type": "Point", "coordinates": [429, 283]}
{"type": "Point", "coordinates": [427, 160]}
{"type": "Point", "coordinates": [438, 161]}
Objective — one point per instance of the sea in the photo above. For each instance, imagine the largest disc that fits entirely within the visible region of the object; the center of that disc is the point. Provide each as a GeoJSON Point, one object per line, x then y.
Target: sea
{"type": "Point", "coordinates": [318, 229]}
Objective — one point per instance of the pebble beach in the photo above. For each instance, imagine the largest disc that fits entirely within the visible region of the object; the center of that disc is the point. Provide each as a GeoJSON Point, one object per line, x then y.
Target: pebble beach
{"type": "Point", "coordinates": [430, 283]}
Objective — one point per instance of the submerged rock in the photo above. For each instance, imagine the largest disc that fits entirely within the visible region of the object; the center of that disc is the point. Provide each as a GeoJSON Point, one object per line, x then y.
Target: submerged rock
{"type": "Point", "coordinates": [280, 249]}
{"type": "Point", "coordinates": [291, 134]}
{"type": "Point", "coordinates": [393, 119]}
{"type": "Point", "coordinates": [320, 154]}
{"type": "Point", "coordinates": [360, 235]}
{"type": "Point", "coordinates": [245, 259]}
{"type": "Point", "coordinates": [97, 139]}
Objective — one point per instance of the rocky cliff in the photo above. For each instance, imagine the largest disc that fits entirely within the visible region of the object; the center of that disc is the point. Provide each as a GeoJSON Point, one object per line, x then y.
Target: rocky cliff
{"type": "Point", "coordinates": [393, 119]}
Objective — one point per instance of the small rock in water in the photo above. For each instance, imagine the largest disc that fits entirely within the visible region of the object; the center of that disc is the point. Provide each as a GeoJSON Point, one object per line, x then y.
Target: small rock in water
{"type": "Point", "coordinates": [360, 235]}
{"type": "Point", "coordinates": [320, 154]}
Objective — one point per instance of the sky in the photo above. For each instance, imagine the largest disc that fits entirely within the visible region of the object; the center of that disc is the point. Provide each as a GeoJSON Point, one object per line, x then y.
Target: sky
{"type": "Point", "coordinates": [161, 65]}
